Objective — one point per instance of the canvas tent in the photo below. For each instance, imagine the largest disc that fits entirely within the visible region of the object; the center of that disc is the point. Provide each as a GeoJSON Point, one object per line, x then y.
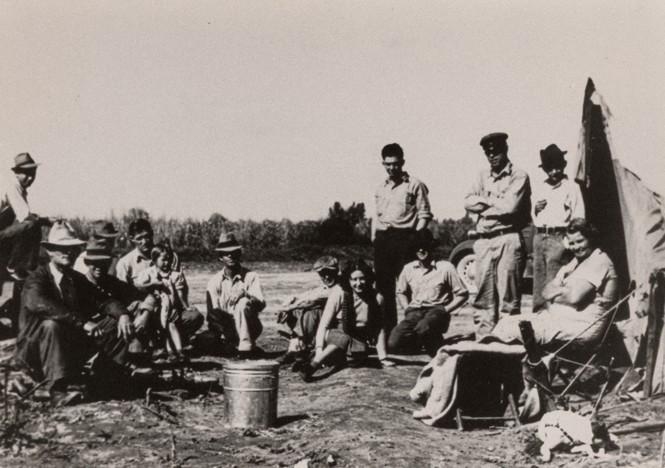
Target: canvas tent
{"type": "Point", "coordinates": [631, 219]}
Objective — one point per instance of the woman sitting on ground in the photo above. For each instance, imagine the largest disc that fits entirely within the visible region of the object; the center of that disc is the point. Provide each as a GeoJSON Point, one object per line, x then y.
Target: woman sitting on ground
{"type": "Point", "coordinates": [351, 321]}
{"type": "Point", "coordinates": [578, 299]}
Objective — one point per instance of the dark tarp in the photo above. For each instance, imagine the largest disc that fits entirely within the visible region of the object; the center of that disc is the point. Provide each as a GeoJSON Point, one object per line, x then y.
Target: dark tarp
{"type": "Point", "coordinates": [631, 221]}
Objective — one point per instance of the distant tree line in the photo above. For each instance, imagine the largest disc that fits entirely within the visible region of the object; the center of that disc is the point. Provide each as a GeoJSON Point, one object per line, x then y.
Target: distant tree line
{"type": "Point", "coordinates": [344, 231]}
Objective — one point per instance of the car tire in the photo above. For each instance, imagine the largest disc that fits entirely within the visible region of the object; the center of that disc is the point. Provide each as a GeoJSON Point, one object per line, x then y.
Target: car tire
{"type": "Point", "coordinates": [466, 269]}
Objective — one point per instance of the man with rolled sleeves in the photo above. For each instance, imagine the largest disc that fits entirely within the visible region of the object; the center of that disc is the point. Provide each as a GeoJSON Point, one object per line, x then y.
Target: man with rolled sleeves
{"type": "Point", "coordinates": [234, 300]}
{"type": "Point", "coordinates": [302, 313]}
{"type": "Point", "coordinates": [402, 208]}
{"type": "Point", "coordinates": [557, 200]}
{"type": "Point", "coordinates": [500, 197]}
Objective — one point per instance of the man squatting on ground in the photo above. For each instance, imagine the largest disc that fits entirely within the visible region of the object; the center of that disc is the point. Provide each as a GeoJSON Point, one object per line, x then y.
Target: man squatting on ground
{"type": "Point", "coordinates": [302, 313]}
{"type": "Point", "coordinates": [429, 291]}
{"type": "Point", "coordinates": [20, 229]}
{"type": "Point", "coordinates": [234, 300]}
{"type": "Point", "coordinates": [64, 320]}
{"type": "Point", "coordinates": [402, 208]}
{"type": "Point", "coordinates": [137, 260]}
{"type": "Point", "coordinates": [558, 200]}
{"type": "Point", "coordinates": [142, 306]}
{"type": "Point", "coordinates": [500, 197]}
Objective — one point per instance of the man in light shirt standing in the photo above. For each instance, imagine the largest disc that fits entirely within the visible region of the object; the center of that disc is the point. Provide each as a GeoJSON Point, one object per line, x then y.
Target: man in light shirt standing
{"type": "Point", "coordinates": [402, 209]}
{"type": "Point", "coordinates": [20, 229]}
{"type": "Point", "coordinates": [501, 197]}
{"type": "Point", "coordinates": [557, 200]}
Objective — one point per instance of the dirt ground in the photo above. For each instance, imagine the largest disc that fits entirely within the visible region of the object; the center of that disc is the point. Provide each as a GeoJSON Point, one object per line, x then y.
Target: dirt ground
{"type": "Point", "coordinates": [356, 417]}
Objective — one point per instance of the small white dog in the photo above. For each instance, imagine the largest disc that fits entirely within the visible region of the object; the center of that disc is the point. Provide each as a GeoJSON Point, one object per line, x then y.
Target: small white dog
{"type": "Point", "coordinates": [567, 429]}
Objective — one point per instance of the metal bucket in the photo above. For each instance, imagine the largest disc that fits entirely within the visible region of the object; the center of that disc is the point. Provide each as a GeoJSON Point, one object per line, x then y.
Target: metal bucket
{"type": "Point", "coordinates": [250, 393]}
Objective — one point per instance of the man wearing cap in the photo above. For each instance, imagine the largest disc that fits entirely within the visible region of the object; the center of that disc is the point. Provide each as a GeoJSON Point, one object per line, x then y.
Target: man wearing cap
{"type": "Point", "coordinates": [234, 300]}
{"type": "Point", "coordinates": [142, 305]}
{"type": "Point", "coordinates": [20, 229]}
{"type": "Point", "coordinates": [558, 200]}
{"type": "Point", "coordinates": [402, 208]}
{"type": "Point", "coordinates": [500, 197]}
{"type": "Point", "coordinates": [64, 320]}
{"type": "Point", "coordinates": [105, 234]}
{"type": "Point", "coordinates": [142, 237]}
{"type": "Point", "coordinates": [302, 313]}
{"type": "Point", "coordinates": [429, 291]}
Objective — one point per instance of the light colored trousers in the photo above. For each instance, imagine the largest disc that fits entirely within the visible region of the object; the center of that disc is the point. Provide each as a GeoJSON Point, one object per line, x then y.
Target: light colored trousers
{"type": "Point", "coordinates": [499, 264]}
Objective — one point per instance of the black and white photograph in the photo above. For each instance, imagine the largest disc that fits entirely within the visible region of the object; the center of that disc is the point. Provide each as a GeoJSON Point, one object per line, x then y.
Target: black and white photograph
{"type": "Point", "coordinates": [332, 234]}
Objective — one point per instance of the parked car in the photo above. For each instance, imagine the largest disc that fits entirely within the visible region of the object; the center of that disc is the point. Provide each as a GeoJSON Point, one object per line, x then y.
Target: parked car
{"type": "Point", "coordinates": [464, 260]}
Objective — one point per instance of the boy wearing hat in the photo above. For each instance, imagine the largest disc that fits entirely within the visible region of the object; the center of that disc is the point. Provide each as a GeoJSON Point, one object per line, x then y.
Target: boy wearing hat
{"type": "Point", "coordinates": [429, 291]}
{"type": "Point", "coordinates": [234, 300]}
{"type": "Point", "coordinates": [558, 200]}
{"type": "Point", "coordinates": [64, 320]}
{"type": "Point", "coordinates": [20, 229]}
{"type": "Point", "coordinates": [402, 208]}
{"type": "Point", "coordinates": [501, 198]}
{"type": "Point", "coordinates": [105, 234]}
{"type": "Point", "coordinates": [302, 313]}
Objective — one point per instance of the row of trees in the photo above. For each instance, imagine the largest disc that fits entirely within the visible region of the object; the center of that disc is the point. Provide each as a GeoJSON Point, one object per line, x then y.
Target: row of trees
{"type": "Point", "coordinates": [344, 230]}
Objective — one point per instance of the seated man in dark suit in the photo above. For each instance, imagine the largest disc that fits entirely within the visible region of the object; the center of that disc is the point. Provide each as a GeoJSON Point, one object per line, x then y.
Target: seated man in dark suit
{"type": "Point", "coordinates": [64, 320]}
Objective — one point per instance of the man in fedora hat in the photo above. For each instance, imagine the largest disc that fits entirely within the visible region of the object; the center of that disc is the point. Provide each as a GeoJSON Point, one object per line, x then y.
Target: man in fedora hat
{"type": "Point", "coordinates": [402, 208]}
{"type": "Point", "coordinates": [429, 291]}
{"type": "Point", "coordinates": [142, 305]}
{"type": "Point", "coordinates": [302, 313]}
{"type": "Point", "coordinates": [142, 236]}
{"type": "Point", "coordinates": [234, 300]}
{"type": "Point", "coordinates": [20, 228]}
{"type": "Point", "coordinates": [558, 200]}
{"type": "Point", "coordinates": [105, 234]}
{"type": "Point", "coordinates": [501, 198]}
{"type": "Point", "coordinates": [64, 320]}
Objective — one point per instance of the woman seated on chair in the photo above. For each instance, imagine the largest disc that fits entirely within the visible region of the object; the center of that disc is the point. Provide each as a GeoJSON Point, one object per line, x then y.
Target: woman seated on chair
{"type": "Point", "coordinates": [580, 294]}
{"type": "Point", "coordinates": [351, 320]}
{"type": "Point", "coordinates": [579, 298]}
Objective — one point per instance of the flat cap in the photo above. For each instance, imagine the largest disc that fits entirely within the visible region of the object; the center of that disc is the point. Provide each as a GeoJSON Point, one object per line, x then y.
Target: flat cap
{"type": "Point", "coordinates": [493, 138]}
{"type": "Point", "coordinates": [326, 262]}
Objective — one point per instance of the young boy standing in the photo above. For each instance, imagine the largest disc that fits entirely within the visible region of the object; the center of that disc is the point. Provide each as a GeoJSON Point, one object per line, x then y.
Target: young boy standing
{"type": "Point", "coordinates": [557, 200]}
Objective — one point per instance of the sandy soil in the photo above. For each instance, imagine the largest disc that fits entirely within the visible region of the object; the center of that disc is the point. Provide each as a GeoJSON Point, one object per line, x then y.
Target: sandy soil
{"type": "Point", "coordinates": [356, 417]}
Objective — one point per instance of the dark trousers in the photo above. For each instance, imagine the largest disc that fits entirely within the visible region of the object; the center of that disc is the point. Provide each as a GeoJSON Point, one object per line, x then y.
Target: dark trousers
{"type": "Point", "coordinates": [421, 326]}
{"type": "Point", "coordinates": [19, 245]}
{"type": "Point", "coordinates": [191, 320]}
{"type": "Point", "coordinates": [57, 351]}
{"type": "Point", "coordinates": [392, 250]}
{"type": "Point", "coordinates": [549, 255]}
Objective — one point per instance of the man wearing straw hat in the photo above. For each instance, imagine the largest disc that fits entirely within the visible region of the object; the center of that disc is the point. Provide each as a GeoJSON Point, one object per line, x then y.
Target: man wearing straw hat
{"type": "Point", "coordinates": [234, 300]}
{"type": "Point", "coordinates": [20, 228]}
{"type": "Point", "coordinates": [64, 320]}
{"type": "Point", "coordinates": [105, 234]}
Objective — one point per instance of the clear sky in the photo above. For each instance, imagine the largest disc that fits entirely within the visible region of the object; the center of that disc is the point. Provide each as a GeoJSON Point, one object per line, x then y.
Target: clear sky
{"type": "Point", "coordinates": [278, 109]}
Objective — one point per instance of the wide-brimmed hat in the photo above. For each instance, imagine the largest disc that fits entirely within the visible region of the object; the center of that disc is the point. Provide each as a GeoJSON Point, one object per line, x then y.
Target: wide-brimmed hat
{"type": "Point", "coordinates": [552, 156]}
{"type": "Point", "coordinates": [327, 262]}
{"type": "Point", "coordinates": [104, 229]}
{"type": "Point", "coordinates": [62, 235]}
{"type": "Point", "coordinates": [96, 250]}
{"type": "Point", "coordinates": [23, 161]}
{"type": "Point", "coordinates": [227, 243]}
{"type": "Point", "coordinates": [493, 139]}
{"type": "Point", "coordinates": [424, 239]}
